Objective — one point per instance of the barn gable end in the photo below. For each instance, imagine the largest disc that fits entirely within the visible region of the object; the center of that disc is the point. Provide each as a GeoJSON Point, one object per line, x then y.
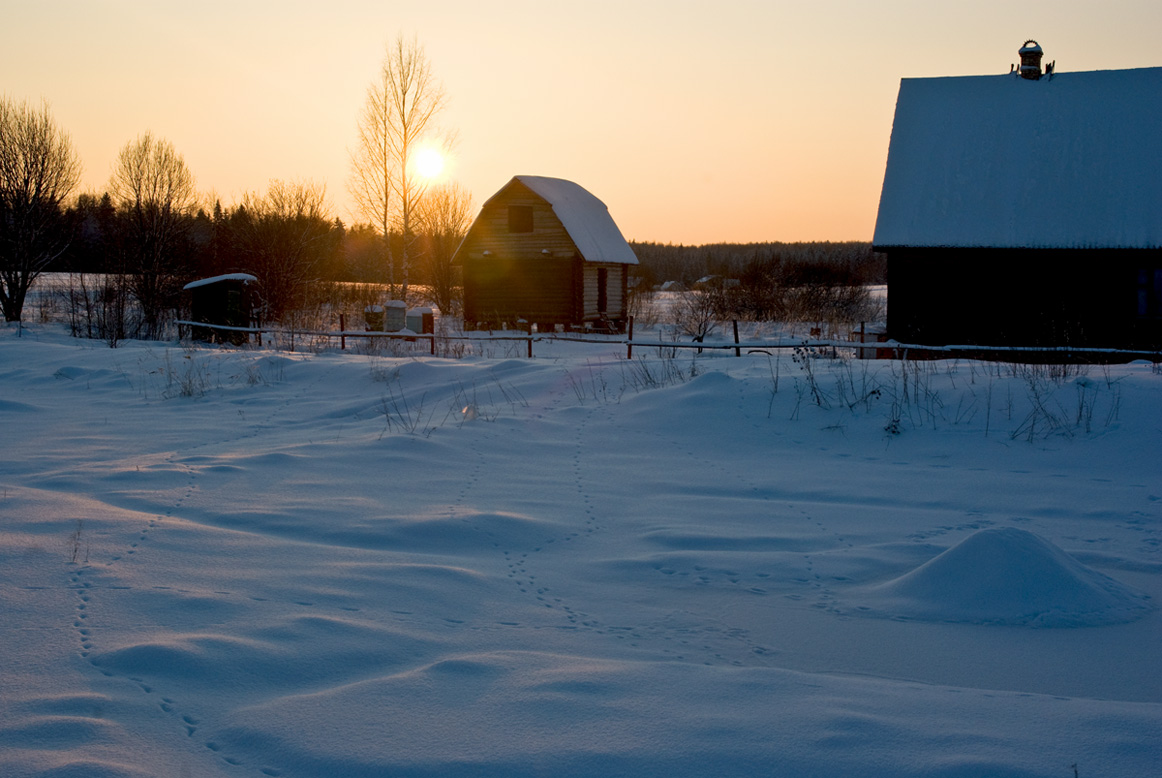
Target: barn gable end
{"type": "Point", "coordinates": [546, 251]}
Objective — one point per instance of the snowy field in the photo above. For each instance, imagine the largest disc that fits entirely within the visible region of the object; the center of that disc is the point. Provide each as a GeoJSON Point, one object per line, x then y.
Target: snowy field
{"type": "Point", "coordinates": [258, 563]}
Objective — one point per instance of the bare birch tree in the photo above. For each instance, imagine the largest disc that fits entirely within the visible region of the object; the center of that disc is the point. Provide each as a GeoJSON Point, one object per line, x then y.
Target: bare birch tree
{"type": "Point", "coordinates": [399, 115]}
{"type": "Point", "coordinates": [38, 169]}
{"type": "Point", "coordinates": [154, 191]}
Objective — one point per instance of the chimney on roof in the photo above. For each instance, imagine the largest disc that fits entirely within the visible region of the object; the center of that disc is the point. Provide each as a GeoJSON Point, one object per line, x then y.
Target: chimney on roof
{"type": "Point", "coordinates": [1030, 54]}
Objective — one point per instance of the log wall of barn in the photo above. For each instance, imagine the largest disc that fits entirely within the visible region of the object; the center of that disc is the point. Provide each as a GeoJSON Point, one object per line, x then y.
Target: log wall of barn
{"type": "Point", "coordinates": [1026, 297]}
{"type": "Point", "coordinates": [503, 289]}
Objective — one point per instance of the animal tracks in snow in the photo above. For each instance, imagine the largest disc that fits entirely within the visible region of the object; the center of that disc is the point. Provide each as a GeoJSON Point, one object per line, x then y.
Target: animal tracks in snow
{"type": "Point", "coordinates": [92, 579]}
{"type": "Point", "coordinates": [582, 472]}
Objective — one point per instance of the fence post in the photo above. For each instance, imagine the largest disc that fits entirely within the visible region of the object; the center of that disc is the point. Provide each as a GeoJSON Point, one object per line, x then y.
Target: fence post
{"type": "Point", "coordinates": [342, 329]}
{"type": "Point", "coordinates": [737, 350]}
{"type": "Point", "coordinates": [629, 345]}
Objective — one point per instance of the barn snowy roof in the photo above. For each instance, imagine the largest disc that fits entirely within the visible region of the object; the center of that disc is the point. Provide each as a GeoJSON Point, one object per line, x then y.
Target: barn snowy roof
{"type": "Point", "coordinates": [1072, 161]}
{"type": "Point", "coordinates": [585, 218]}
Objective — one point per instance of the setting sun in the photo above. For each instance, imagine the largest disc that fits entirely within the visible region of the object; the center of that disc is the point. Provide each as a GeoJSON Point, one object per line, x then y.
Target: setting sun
{"type": "Point", "coordinates": [429, 163]}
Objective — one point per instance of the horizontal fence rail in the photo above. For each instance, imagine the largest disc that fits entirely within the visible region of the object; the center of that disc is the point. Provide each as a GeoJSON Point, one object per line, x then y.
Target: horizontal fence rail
{"type": "Point", "coordinates": [893, 349]}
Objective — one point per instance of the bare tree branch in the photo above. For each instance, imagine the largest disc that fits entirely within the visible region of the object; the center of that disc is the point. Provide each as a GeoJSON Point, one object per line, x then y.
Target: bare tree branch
{"type": "Point", "coordinates": [283, 236]}
{"type": "Point", "coordinates": [155, 193]}
{"type": "Point", "coordinates": [398, 116]}
{"type": "Point", "coordinates": [443, 219]}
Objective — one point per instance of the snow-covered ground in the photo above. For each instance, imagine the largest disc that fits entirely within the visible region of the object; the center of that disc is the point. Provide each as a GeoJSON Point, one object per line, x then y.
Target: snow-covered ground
{"type": "Point", "coordinates": [258, 563]}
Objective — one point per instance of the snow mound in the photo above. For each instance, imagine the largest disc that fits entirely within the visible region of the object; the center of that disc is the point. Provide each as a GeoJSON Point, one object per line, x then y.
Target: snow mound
{"type": "Point", "coordinates": [1012, 577]}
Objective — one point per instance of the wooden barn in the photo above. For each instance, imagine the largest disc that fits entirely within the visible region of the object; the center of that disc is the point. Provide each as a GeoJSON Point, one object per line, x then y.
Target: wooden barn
{"type": "Point", "coordinates": [545, 251]}
{"type": "Point", "coordinates": [1026, 209]}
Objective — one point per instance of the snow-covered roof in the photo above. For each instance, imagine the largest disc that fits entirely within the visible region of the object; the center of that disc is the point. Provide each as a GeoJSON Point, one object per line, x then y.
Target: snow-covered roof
{"type": "Point", "coordinates": [585, 218]}
{"type": "Point", "coordinates": [245, 278]}
{"type": "Point", "coordinates": [1072, 161]}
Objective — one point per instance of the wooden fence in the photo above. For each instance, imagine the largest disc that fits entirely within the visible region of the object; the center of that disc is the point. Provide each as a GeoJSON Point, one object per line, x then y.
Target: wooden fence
{"type": "Point", "coordinates": [889, 349]}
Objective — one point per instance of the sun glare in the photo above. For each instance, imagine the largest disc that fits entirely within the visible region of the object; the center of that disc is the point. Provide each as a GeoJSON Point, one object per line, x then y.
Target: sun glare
{"type": "Point", "coordinates": [429, 163]}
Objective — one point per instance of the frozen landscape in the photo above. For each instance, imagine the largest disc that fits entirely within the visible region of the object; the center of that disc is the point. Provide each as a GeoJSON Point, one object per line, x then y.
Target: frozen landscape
{"type": "Point", "coordinates": [219, 562]}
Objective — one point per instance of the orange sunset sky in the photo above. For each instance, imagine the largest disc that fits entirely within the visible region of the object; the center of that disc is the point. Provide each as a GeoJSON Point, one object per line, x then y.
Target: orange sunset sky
{"type": "Point", "coordinates": [695, 122]}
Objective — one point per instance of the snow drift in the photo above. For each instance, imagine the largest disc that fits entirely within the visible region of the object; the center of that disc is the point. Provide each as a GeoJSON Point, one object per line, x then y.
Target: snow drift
{"type": "Point", "coordinates": [284, 575]}
{"type": "Point", "coordinates": [1013, 577]}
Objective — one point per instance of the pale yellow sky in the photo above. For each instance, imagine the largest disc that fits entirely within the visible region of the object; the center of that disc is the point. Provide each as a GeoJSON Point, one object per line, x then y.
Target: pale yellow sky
{"type": "Point", "coordinates": [695, 122]}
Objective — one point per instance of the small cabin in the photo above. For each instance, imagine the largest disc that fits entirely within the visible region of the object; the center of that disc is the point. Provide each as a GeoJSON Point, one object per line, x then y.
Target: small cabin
{"type": "Point", "coordinates": [226, 300]}
{"type": "Point", "coordinates": [1026, 209]}
{"type": "Point", "coordinates": [545, 251]}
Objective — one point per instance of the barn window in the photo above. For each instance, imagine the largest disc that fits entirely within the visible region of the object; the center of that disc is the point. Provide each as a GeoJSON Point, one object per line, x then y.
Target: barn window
{"type": "Point", "coordinates": [520, 218]}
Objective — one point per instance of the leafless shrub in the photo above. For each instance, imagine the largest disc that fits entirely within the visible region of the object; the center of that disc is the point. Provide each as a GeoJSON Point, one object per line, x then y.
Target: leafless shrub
{"type": "Point", "coordinates": [694, 313]}
{"type": "Point", "coordinates": [832, 308]}
{"type": "Point", "coordinates": [590, 384]}
{"type": "Point", "coordinates": [99, 307]}
{"type": "Point", "coordinates": [403, 415]}
{"type": "Point", "coordinates": [643, 305]}
{"type": "Point", "coordinates": [189, 376]}
{"type": "Point", "coordinates": [643, 374]}
{"type": "Point", "coordinates": [805, 359]}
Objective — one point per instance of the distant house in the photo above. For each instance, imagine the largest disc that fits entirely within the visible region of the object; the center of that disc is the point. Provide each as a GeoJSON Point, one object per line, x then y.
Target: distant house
{"type": "Point", "coordinates": [545, 251]}
{"type": "Point", "coordinates": [717, 282]}
{"type": "Point", "coordinates": [1026, 210]}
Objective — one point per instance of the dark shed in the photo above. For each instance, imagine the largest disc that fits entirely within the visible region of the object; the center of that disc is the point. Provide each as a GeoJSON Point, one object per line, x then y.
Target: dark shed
{"type": "Point", "coordinates": [546, 251]}
{"type": "Point", "coordinates": [1026, 211]}
{"type": "Point", "coordinates": [225, 300]}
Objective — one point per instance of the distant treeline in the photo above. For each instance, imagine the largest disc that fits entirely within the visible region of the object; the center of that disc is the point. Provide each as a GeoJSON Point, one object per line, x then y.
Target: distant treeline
{"type": "Point", "coordinates": [825, 283]}
{"type": "Point", "coordinates": [304, 246]}
{"type": "Point", "coordinates": [217, 241]}
{"type": "Point", "coordinates": [761, 264]}
{"type": "Point", "coordinates": [288, 242]}
{"type": "Point", "coordinates": [288, 248]}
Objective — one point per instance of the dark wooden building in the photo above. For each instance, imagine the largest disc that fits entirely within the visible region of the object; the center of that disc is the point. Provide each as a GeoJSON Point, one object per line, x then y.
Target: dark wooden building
{"type": "Point", "coordinates": [545, 251]}
{"type": "Point", "coordinates": [1026, 211]}
{"type": "Point", "coordinates": [226, 300]}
